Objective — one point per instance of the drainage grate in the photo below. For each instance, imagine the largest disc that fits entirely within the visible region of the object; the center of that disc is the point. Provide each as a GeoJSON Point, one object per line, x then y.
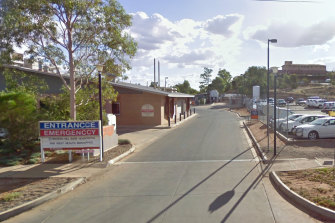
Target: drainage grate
{"type": "Point", "coordinates": [328, 163]}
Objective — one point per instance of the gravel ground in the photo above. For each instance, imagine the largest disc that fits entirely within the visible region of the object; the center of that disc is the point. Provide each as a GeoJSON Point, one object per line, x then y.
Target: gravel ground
{"type": "Point", "coordinates": [17, 191]}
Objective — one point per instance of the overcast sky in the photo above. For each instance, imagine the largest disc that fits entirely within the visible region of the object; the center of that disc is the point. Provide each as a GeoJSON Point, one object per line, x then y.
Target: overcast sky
{"type": "Point", "coordinates": [187, 35]}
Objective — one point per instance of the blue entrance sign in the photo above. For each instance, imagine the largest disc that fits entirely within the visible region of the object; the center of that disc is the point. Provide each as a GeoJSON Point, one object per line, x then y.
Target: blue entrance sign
{"type": "Point", "coordinates": [70, 135]}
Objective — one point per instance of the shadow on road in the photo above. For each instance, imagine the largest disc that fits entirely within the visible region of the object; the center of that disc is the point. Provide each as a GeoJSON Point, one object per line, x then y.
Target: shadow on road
{"type": "Point", "coordinates": [252, 185]}
{"type": "Point", "coordinates": [225, 198]}
{"type": "Point", "coordinates": [195, 186]}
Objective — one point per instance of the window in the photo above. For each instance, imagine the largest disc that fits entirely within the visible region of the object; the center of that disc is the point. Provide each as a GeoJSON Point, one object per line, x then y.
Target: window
{"type": "Point", "coordinates": [331, 122]}
{"type": "Point", "coordinates": [116, 108]}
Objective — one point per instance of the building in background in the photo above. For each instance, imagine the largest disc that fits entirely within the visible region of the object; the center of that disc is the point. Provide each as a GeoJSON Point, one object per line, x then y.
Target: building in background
{"type": "Point", "coordinates": [147, 106]}
{"type": "Point", "coordinates": [312, 72]}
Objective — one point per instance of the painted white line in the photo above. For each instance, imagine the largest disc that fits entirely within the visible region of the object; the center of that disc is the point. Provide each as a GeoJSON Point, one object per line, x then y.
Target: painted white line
{"type": "Point", "coordinates": [184, 161]}
{"type": "Point", "coordinates": [291, 159]}
{"type": "Point", "coordinates": [253, 151]}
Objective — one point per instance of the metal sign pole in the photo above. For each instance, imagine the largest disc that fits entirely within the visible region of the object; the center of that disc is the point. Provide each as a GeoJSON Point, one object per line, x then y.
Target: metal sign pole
{"type": "Point", "coordinates": [100, 140]}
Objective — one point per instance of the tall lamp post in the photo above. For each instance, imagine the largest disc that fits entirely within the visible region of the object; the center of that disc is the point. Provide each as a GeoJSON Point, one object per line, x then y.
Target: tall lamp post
{"type": "Point", "coordinates": [267, 91]}
{"type": "Point", "coordinates": [100, 68]}
{"type": "Point", "coordinates": [275, 71]}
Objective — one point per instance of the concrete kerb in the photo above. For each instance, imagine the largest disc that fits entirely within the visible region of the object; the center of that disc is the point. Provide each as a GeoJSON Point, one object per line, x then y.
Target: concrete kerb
{"type": "Point", "coordinates": [322, 212]}
{"type": "Point", "coordinates": [112, 161]}
{"type": "Point", "coordinates": [257, 146]}
{"type": "Point", "coordinates": [54, 194]}
{"type": "Point", "coordinates": [29, 205]}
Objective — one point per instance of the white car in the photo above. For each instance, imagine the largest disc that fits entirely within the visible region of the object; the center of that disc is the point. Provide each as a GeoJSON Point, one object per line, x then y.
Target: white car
{"type": "Point", "coordinates": [304, 119]}
{"type": "Point", "coordinates": [318, 103]}
{"type": "Point", "coordinates": [284, 120]}
{"type": "Point", "coordinates": [319, 128]}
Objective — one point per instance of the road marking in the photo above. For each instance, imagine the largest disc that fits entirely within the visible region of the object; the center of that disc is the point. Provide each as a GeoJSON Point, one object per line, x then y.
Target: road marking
{"type": "Point", "coordinates": [253, 151]}
{"type": "Point", "coordinates": [184, 161]}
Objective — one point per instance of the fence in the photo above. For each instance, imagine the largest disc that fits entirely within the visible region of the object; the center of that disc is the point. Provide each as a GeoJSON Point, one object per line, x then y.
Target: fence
{"type": "Point", "coordinates": [287, 145]}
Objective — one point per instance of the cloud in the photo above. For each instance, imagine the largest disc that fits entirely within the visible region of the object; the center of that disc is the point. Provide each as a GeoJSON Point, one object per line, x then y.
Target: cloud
{"type": "Point", "coordinates": [183, 47]}
{"type": "Point", "coordinates": [191, 57]}
{"type": "Point", "coordinates": [294, 35]}
{"type": "Point", "coordinates": [152, 31]}
{"type": "Point", "coordinates": [222, 25]}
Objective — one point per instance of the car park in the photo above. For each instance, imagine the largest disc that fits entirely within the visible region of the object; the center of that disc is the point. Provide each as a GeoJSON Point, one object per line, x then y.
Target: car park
{"type": "Point", "coordinates": [304, 119]}
{"type": "Point", "coordinates": [319, 128]}
{"type": "Point", "coordinates": [281, 103]}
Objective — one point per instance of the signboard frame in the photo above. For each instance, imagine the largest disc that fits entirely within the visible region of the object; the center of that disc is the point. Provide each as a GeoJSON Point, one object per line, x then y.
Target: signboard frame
{"type": "Point", "coordinates": [70, 135]}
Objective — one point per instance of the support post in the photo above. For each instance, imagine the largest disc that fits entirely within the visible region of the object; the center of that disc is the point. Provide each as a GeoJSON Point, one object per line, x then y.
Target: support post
{"type": "Point", "coordinates": [275, 117]}
{"type": "Point", "coordinates": [101, 119]}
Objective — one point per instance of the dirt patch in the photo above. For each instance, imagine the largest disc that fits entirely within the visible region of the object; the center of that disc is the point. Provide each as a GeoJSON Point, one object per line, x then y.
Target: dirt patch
{"type": "Point", "coordinates": [17, 191]}
{"type": "Point", "coordinates": [323, 148]}
{"type": "Point", "coordinates": [241, 111]}
{"type": "Point", "coordinates": [316, 185]}
{"type": "Point", "coordinates": [21, 190]}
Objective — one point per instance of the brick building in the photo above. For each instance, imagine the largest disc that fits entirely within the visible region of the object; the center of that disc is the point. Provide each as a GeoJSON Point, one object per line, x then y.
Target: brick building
{"type": "Point", "coordinates": [313, 72]}
{"type": "Point", "coordinates": [141, 105]}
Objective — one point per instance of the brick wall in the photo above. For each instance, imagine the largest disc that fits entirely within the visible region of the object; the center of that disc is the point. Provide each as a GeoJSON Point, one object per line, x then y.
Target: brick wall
{"type": "Point", "coordinates": [130, 109]}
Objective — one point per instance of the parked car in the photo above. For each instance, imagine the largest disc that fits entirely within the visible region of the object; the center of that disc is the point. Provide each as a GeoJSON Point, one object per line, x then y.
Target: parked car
{"type": "Point", "coordinates": [318, 103]}
{"type": "Point", "coordinates": [289, 99]}
{"type": "Point", "coordinates": [284, 120]}
{"type": "Point", "coordinates": [328, 106]}
{"type": "Point", "coordinates": [271, 101]}
{"type": "Point", "coordinates": [319, 128]}
{"type": "Point", "coordinates": [281, 103]}
{"type": "Point", "coordinates": [300, 101]}
{"type": "Point", "coordinates": [304, 119]}
{"type": "Point", "coordinates": [310, 101]}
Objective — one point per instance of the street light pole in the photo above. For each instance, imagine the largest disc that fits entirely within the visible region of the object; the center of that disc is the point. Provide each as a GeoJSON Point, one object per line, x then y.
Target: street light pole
{"type": "Point", "coordinates": [268, 90]}
{"type": "Point", "coordinates": [100, 68]}
{"type": "Point", "coordinates": [275, 70]}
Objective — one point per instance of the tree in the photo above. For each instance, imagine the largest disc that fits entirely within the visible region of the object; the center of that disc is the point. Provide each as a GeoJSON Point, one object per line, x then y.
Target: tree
{"type": "Point", "coordinates": [185, 88]}
{"type": "Point", "coordinates": [71, 35]}
{"type": "Point", "coordinates": [222, 82]}
{"type": "Point", "coordinates": [206, 79]}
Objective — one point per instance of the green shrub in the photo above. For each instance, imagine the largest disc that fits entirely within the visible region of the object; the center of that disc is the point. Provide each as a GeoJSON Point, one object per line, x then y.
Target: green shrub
{"type": "Point", "coordinates": [19, 115]}
{"type": "Point", "coordinates": [11, 196]}
{"type": "Point", "coordinates": [123, 141]}
{"type": "Point", "coordinates": [10, 161]}
{"type": "Point", "coordinates": [33, 160]}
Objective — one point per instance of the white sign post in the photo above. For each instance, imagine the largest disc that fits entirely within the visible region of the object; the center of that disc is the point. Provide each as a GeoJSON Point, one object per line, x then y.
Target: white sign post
{"type": "Point", "coordinates": [70, 135]}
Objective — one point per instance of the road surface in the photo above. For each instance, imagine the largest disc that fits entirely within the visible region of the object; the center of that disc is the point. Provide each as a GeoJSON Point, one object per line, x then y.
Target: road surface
{"type": "Point", "coordinates": [201, 171]}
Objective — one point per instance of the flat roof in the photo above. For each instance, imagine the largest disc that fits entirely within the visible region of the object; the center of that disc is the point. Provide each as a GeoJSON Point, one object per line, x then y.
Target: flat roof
{"type": "Point", "coordinates": [151, 90]}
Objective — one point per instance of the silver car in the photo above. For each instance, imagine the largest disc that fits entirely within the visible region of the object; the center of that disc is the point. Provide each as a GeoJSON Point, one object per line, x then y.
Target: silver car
{"type": "Point", "coordinates": [319, 128]}
{"type": "Point", "coordinates": [304, 119]}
